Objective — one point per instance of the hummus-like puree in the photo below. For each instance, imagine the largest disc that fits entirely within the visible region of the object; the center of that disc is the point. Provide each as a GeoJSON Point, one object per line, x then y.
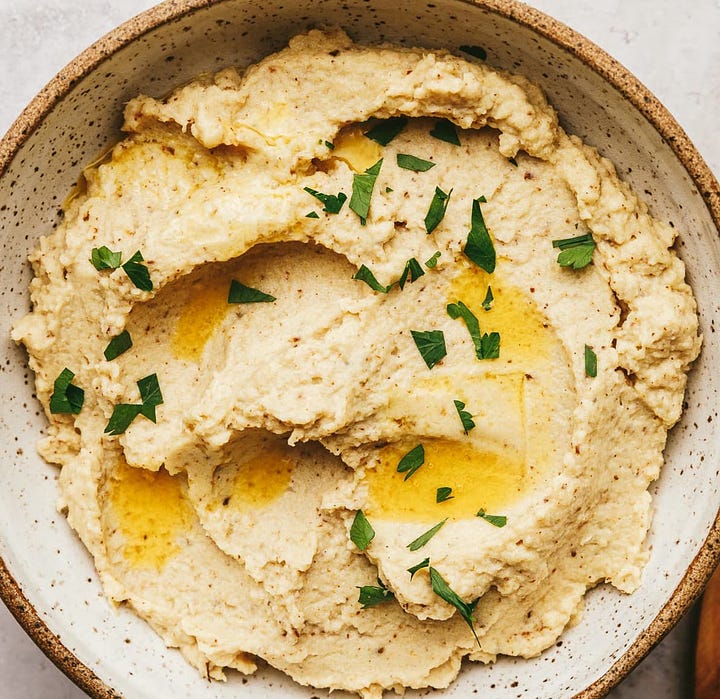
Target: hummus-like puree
{"type": "Point", "coordinates": [510, 408]}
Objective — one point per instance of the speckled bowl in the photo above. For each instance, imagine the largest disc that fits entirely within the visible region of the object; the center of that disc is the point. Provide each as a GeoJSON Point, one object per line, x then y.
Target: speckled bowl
{"type": "Point", "coordinates": [46, 577]}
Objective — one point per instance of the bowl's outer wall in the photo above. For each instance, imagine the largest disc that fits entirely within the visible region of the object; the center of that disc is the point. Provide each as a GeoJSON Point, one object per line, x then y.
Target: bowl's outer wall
{"type": "Point", "coordinates": [50, 565]}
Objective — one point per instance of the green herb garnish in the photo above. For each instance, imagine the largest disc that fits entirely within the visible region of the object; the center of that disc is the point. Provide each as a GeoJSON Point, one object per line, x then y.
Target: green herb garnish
{"type": "Point", "coordinates": [124, 413]}
{"type": "Point", "coordinates": [590, 362]}
{"type": "Point", "coordinates": [365, 275]}
{"type": "Point", "coordinates": [495, 520]}
{"type": "Point", "coordinates": [361, 533]}
{"type": "Point", "coordinates": [575, 252]}
{"type": "Point", "coordinates": [489, 298]}
{"type": "Point", "coordinates": [465, 417]}
{"type": "Point", "coordinates": [312, 214]}
{"type": "Point", "coordinates": [487, 345]}
{"type": "Point", "coordinates": [386, 130]}
{"type": "Point", "coordinates": [424, 538]}
{"type": "Point", "coordinates": [419, 566]}
{"type": "Point", "coordinates": [410, 162]}
{"type": "Point", "coordinates": [444, 130]}
{"type": "Point", "coordinates": [431, 345]}
{"type": "Point", "coordinates": [443, 494]}
{"type": "Point", "coordinates": [479, 246]}
{"type": "Point", "coordinates": [412, 270]}
{"type": "Point", "coordinates": [332, 203]}
{"type": "Point", "coordinates": [370, 595]}
{"type": "Point", "coordinates": [388, 190]}
{"type": "Point", "coordinates": [66, 397]}
{"type": "Point", "coordinates": [330, 145]}
{"type": "Point", "coordinates": [443, 590]}
{"type": "Point", "coordinates": [476, 51]}
{"type": "Point", "coordinates": [138, 273]}
{"type": "Point", "coordinates": [438, 207]}
{"type": "Point", "coordinates": [104, 258]}
{"type": "Point", "coordinates": [412, 461]}
{"type": "Point", "coordinates": [362, 189]}
{"type": "Point", "coordinates": [512, 161]}
{"type": "Point", "coordinates": [119, 344]}
{"type": "Point", "coordinates": [432, 262]}
{"type": "Point", "coordinates": [239, 293]}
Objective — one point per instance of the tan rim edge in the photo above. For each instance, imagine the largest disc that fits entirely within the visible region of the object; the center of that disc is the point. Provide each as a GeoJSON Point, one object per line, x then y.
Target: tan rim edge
{"type": "Point", "coordinates": [708, 557]}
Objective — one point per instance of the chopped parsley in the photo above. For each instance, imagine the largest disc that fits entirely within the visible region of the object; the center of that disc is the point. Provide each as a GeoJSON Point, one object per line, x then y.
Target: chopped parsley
{"type": "Point", "coordinates": [412, 461]}
{"type": "Point", "coordinates": [432, 262]}
{"type": "Point", "coordinates": [104, 258]}
{"type": "Point", "coordinates": [386, 130]}
{"type": "Point", "coordinates": [138, 273]}
{"type": "Point", "coordinates": [487, 345]}
{"type": "Point", "coordinates": [330, 145]}
{"type": "Point", "coordinates": [513, 162]}
{"type": "Point", "coordinates": [488, 300]}
{"type": "Point", "coordinates": [365, 275]}
{"type": "Point", "coordinates": [444, 130]}
{"type": "Point", "coordinates": [388, 190]}
{"type": "Point", "coordinates": [479, 246]}
{"type": "Point", "coordinates": [443, 494]}
{"type": "Point", "coordinates": [495, 520]}
{"type": "Point", "coordinates": [370, 595]}
{"type": "Point", "coordinates": [590, 362]}
{"type": "Point", "coordinates": [431, 345]}
{"type": "Point", "coordinates": [119, 344]}
{"type": "Point", "coordinates": [418, 566]}
{"type": "Point", "coordinates": [362, 189]}
{"type": "Point", "coordinates": [465, 417]}
{"type": "Point", "coordinates": [410, 162]}
{"type": "Point", "coordinates": [67, 398]}
{"type": "Point", "coordinates": [443, 590]}
{"type": "Point", "coordinates": [438, 207]}
{"type": "Point", "coordinates": [312, 214]}
{"type": "Point", "coordinates": [239, 293]}
{"type": "Point", "coordinates": [576, 252]}
{"type": "Point", "coordinates": [424, 538]}
{"type": "Point", "coordinates": [475, 51]}
{"type": "Point", "coordinates": [332, 203]}
{"type": "Point", "coordinates": [413, 270]}
{"type": "Point", "coordinates": [361, 532]}
{"type": "Point", "coordinates": [124, 413]}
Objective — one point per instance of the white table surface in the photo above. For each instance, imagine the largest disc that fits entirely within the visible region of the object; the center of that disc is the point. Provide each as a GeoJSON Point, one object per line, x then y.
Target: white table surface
{"type": "Point", "coordinates": [673, 47]}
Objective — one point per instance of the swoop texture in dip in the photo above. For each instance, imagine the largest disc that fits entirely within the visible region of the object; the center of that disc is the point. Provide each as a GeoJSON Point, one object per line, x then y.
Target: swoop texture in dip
{"type": "Point", "coordinates": [357, 364]}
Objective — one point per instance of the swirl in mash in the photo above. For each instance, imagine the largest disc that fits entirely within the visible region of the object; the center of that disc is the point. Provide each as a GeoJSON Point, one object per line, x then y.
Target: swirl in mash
{"type": "Point", "coordinates": [226, 522]}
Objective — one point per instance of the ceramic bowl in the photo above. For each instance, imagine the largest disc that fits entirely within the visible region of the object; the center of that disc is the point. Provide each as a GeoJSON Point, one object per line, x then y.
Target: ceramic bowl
{"type": "Point", "coordinates": [47, 578]}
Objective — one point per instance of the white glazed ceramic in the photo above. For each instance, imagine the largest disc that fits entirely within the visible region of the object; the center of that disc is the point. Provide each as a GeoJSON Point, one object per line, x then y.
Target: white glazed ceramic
{"type": "Point", "coordinates": [46, 577]}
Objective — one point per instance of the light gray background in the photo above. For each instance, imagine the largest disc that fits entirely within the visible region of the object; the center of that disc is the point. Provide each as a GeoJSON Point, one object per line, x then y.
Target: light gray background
{"type": "Point", "coordinates": [674, 48]}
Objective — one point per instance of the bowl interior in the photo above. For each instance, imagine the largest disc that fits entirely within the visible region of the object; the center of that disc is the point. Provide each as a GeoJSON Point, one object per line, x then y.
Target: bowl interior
{"type": "Point", "coordinates": [46, 559]}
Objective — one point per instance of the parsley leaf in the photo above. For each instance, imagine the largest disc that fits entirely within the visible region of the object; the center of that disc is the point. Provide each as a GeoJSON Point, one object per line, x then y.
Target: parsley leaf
{"type": "Point", "coordinates": [495, 520]}
{"type": "Point", "coordinates": [479, 246]}
{"type": "Point", "coordinates": [443, 494]}
{"type": "Point", "coordinates": [438, 207]}
{"type": "Point", "coordinates": [419, 566]}
{"type": "Point", "coordinates": [331, 203]}
{"type": "Point", "coordinates": [576, 252]}
{"type": "Point", "coordinates": [361, 533]}
{"type": "Point", "coordinates": [410, 162]}
{"type": "Point", "coordinates": [66, 397]}
{"type": "Point", "coordinates": [124, 413]}
{"type": "Point", "coordinates": [443, 590]}
{"type": "Point", "coordinates": [138, 273]}
{"type": "Point", "coordinates": [432, 262]}
{"type": "Point", "coordinates": [590, 362]}
{"type": "Point", "coordinates": [489, 298]}
{"type": "Point", "coordinates": [239, 293]}
{"type": "Point", "coordinates": [412, 461]}
{"type": "Point", "coordinates": [424, 538]}
{"type": "Point", "coordinates": [386, 130]}
{"type": "Point", "coordinates": [465, 417]}
{"type": "Point", "coordinates": [329, 145]}
{"type": "Point", "coordinates": [370, 595]}
{"type": "Point", "coordinates": [119, 344]}
{"type": "Point", "coordinates": [513, 162]}
{"type": "Point", "coordinates": [487, 346]}
{"type": "Point", "coordinates": [362, 189]}
{"type": "Point", "coordinates": [365, 275]}
{"type": "Point", "coordinates": [413, 270]}
{"type": "Point", "coordinates": [476, 51]}
{"type": "Point", "coordinates": [431, 345]}
{"type": "Point", "coordinates": [444, 130]}
{"type": "Point", "coordinates": [312, 214]}
{"type": "Point", "coordinates": [104, 258]}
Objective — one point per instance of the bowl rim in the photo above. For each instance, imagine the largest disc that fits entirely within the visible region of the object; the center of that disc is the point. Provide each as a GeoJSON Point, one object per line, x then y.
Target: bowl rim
{"type": "Point", "coordinates": [706, 560]}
